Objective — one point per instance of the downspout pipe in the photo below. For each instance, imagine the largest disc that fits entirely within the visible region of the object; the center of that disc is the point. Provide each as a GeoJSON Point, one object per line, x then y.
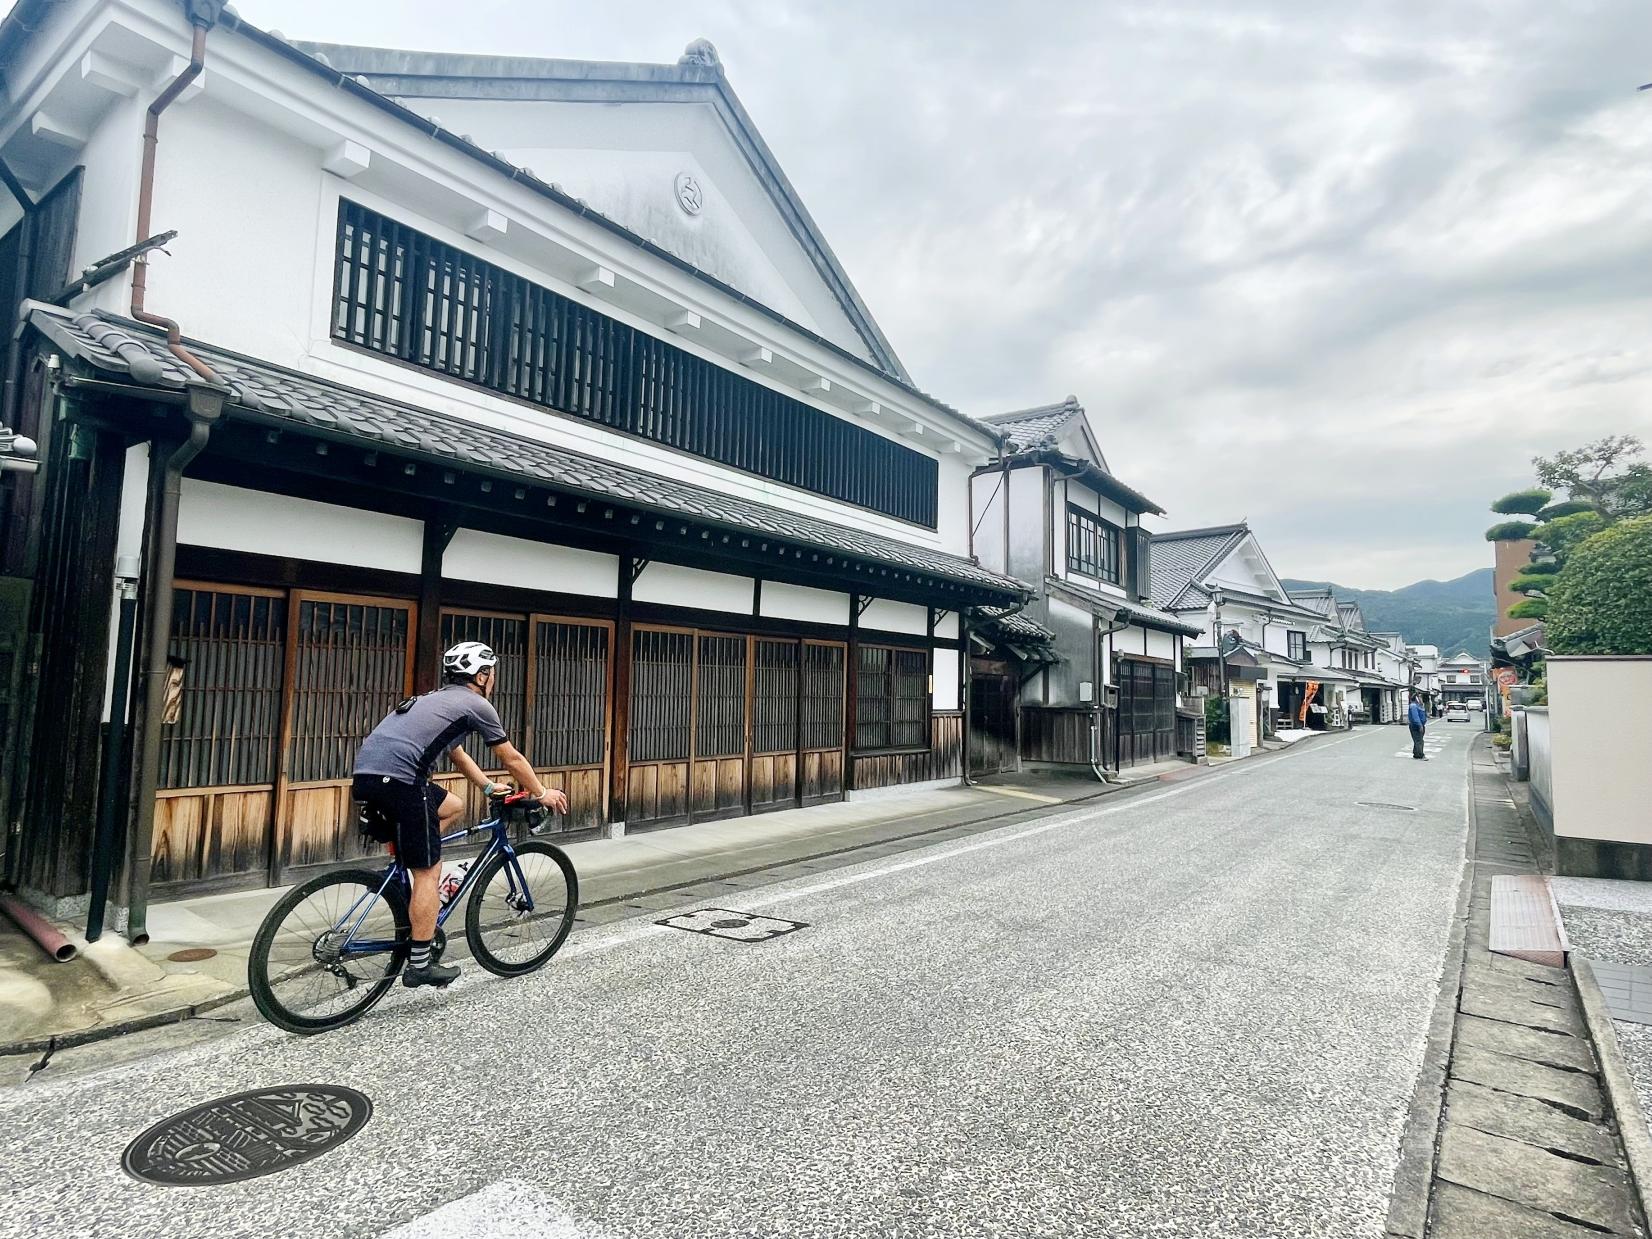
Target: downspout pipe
{"type": "Point", "coordinates": [106, 843]}
{"type": "Point", "coordinates": [205, 406]}
{"type": "Point", "coordinates": [25, 277]}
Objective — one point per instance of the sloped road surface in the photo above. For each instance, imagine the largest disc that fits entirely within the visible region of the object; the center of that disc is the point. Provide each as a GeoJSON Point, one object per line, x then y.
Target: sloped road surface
{"type": "Point", "coordinates": [1198, 1010]}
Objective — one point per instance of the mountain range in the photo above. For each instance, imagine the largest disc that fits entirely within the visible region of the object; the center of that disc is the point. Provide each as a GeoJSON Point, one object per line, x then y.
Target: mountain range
{"type": "Point", "coordinates": [1455, 615]}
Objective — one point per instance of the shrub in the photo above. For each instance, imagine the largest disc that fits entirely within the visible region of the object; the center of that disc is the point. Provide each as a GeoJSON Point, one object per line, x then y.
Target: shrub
{"type": "Point", "coordinates": [1527, 501]}
{"type": "Point", "coordinates": [1542, 567]}
{"type": "Point", "coordinates": [1566, 507]}
{"type": "Point", "coordinates": [1602, 602]}
{"type": "Point", "coordinates": [1510, 531]}
{"type": "Point", "coordinates": [1530, 608]}
{"type": "Point", "coordinates": [1216, 720]}
{"type": "Point", "coordinates": [1565, 532]}
{"type": "Point", "coordinates": [1528, 581]}
{"type": "Point", "coordinates": [1502, 740]}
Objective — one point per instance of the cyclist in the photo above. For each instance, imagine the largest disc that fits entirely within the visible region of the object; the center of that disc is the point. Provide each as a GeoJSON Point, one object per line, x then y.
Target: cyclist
{"type": "Point", "coordinates": [392, 778]}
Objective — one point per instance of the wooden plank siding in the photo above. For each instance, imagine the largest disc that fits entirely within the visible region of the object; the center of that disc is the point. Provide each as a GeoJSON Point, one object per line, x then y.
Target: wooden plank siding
{"type": "Point", "coordinates": [281, 685]}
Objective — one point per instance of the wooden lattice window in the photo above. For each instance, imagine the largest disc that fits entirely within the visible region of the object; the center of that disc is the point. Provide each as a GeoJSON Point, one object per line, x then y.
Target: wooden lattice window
{"type": "Point", "coordinates": [570, 705]}
{"type": "Point", "coordinates": [1092, 546]}
{"type": "Point", "coordinates": [399, 292]}
{"type": "Point", "coordinates": [350, 666]}
{"type": "Point", "coordinates": [891, 698]}
{"type": "Point", "coordinates": [822, 705]}
{"type": "Point", "coordinates": [774, 696]}
{"type": "Point", "coordinates": [662, 695]}
{"type": "Point", "coordinates": [233, 645]}
{"type": "Point", "coordinates": [506, 635]}
{"type": "Point", "coordinates": [720, 697]}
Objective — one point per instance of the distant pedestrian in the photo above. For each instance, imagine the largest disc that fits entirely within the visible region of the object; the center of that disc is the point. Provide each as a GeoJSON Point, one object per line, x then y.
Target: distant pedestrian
{"type": "Point", "coordinates": [1418, 718]}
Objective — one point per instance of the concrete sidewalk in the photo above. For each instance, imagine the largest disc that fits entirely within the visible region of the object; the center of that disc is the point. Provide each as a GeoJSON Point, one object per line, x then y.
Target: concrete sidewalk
{"type": "Point", "coordinates": [114, 989]}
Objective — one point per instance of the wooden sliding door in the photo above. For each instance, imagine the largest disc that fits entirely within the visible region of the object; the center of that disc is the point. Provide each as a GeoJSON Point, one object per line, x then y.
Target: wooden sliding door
{"type": "Point", "coordinates": [776, 668]}
{"type": "Point", "coordinates": [350, 660]}
{"type": "Point", "coordinates": [215, 812]}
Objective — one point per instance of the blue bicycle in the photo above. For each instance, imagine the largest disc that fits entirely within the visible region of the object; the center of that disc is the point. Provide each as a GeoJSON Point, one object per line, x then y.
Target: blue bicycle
{"type": "Point", "coordinates": [334, 944]}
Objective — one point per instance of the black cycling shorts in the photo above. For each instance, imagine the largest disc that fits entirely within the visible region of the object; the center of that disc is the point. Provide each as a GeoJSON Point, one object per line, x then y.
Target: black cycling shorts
{"type": "Point", "coordinates": [406, 814]}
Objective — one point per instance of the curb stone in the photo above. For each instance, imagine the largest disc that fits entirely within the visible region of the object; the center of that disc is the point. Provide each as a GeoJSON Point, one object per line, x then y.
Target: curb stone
{"type": "Point", "coordinates": [177, 1015]}
{"type": "Point", "coordinates": [1414, 1176]}
{"type": "Point", "coordinates": [1616, 1081]}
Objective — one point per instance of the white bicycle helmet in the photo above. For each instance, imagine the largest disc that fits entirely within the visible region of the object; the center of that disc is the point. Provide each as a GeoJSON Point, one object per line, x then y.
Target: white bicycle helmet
{"type": "Point", "coordinates": [468, 658]}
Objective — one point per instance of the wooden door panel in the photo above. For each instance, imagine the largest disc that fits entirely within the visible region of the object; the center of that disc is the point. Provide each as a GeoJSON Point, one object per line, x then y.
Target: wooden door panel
{"type": "Point", "coordinates": [180, 831]}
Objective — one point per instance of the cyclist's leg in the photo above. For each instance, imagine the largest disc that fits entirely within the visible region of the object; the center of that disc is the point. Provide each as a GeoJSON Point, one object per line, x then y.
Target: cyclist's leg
{"type": "Point", "coordinates": [419, 846]}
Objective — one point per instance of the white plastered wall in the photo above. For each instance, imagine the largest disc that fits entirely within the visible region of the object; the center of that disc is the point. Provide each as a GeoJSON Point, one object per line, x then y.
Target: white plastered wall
{"type": "Point", "coordinates": [1600, 731]}
{"type": "Point", "coordinates": [886, 616]}
{"type": "Point", "coordinates": [492, 558]}
{"type": "Point", "coordinates": [674, 585]}
{"type": "Point", "coordinates": [805, 605]}
{"type": "Point", "coordinates": [236, 519]}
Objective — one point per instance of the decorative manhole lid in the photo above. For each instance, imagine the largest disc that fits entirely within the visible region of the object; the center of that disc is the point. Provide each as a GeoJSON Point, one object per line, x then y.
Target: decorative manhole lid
{"type": "Point", "coordinates": [247, 1135]}
{"type": "Point", "coordinates": [735, 926]}
{"type": "Point", "coordinates": [192, 954]}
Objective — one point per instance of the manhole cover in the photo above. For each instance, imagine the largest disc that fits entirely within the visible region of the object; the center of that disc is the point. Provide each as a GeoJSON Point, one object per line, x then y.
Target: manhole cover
{"type": "Point", "coordinates": [247, 1135]}
{"type": "Point", "coordinates": [1382, 804]}
{"type": "Point", "coordinates": [193, 954]}
{"type": "Point", "coordinates": [735, 926]}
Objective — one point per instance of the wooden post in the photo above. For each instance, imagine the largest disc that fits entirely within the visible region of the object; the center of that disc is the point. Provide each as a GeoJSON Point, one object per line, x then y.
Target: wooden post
{"type": "Point", "coordinates": [851, 676]}
{"type": "Point", "coordinates": [619, 711]}
{"type": "Point", "coordinates": [427, 642]}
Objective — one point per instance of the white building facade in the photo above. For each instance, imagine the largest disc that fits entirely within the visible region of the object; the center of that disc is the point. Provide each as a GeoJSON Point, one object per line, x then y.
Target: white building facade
{"type": "Point", "coordinates": [635, 429]}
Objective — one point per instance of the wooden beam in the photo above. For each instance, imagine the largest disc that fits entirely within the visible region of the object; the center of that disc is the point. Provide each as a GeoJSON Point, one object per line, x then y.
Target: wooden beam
{"type": "Point", "coordinates": [619, 708]}
{"type": "Point", "coordinates": [438, 532]}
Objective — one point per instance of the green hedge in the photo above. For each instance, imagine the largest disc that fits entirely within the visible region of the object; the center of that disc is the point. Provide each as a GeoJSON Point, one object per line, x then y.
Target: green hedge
{"type": "Point", "coordinates": [1602, 602]}
{"type": "Point", "coordinates": [1526, 501]}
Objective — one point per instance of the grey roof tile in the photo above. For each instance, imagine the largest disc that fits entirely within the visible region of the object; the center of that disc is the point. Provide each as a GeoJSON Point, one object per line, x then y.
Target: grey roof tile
{"type": "Point", "coordinates": [1036, 426]}
{"type": "Point", "coordinates": [1180, 559]}
{"type": "Point", "coordinates": [272, 392]}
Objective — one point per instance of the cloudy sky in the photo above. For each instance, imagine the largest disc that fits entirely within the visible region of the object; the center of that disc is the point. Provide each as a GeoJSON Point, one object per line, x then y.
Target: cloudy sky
{"type": "Point", "coordinates": [1338, 269]}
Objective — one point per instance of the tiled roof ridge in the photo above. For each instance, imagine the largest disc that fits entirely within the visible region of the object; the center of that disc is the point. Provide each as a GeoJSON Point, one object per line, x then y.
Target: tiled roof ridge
{"type": "Point", "coordinates": [1176, 535]}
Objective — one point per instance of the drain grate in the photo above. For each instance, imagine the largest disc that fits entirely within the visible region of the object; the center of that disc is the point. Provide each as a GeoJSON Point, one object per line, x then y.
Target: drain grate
{"type": "Point", "coordinates": [247, 1135]}
{"type": "Point", "coordinates": [735, 926]}
{"type": "Point", "coordinates": [1383, 804]}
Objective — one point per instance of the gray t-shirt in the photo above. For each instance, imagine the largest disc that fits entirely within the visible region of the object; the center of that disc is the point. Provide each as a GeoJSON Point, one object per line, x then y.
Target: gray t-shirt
{"type": "Point", "coordinates": [406, 745]}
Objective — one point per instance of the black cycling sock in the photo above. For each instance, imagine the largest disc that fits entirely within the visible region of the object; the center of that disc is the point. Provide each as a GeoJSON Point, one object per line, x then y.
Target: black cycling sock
{"type": "Point", "coordinates": [419, 956]}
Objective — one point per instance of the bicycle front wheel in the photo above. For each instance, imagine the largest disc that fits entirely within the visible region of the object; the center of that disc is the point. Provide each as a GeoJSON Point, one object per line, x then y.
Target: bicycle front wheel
{"type": "Point", "coordinates": [328, 951]}
{"type": "Point", "coordinates": [507, 935]}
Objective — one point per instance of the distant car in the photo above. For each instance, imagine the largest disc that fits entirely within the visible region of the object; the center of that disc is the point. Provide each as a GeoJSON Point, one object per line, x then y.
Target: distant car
{"type": "Point", "coordinates": [1457, 712]}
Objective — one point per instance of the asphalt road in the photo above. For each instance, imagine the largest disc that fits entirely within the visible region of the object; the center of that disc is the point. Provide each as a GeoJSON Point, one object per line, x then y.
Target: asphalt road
{"type": "Point", "coordinates": [1194, 1011]}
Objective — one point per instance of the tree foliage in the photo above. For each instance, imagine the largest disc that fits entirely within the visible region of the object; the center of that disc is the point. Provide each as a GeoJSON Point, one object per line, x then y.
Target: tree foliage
{"type": "Point", "coordinates": [1601, 603]}
{"type": "Point", "coordinates": [1510, 531]}
{"type": "Point", "coordinates": [1527, 582]}
{"type": "Point", "coordinates": [1542, 567]}
{"type": "Point", "coordinates": [1530, 608]}
{"type": "Point", "coordinates": [1526, 502]}
{"type": "Point", "coordinates": [1563, 533]}
{"type": "Point", "coordinates": [1566, 507]}
{"type": "Point", "coordinates": [1605, 473]}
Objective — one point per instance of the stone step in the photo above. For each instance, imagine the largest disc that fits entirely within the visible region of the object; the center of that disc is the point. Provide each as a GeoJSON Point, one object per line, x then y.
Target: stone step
{"type": "Point", "coordinates": [1524, 920]}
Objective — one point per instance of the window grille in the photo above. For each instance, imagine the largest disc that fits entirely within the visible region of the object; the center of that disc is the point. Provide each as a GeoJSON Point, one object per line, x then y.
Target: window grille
{"type": "Point", "coordinates": [1092, 546]}
{"type": "Point", "coordinates": [411, 297]}
{"type": "Point", "coordinates": [234, 647]}
{"type": "Point", "coordinates": [891, 698]}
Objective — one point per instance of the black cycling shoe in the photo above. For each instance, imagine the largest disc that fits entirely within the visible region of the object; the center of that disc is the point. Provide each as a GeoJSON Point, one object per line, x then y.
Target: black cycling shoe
{"type": "Point", "coordinates": [439, 975]}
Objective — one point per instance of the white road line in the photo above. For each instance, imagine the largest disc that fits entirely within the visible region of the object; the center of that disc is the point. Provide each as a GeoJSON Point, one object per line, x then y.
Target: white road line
{"type": "Point", "coordinates": [508, 1209]}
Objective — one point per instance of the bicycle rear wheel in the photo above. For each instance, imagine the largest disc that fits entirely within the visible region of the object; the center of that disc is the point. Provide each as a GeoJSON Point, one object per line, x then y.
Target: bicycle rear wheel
{"type": "Point", "coordinates": [506, 936]}
{"type": "Point", "coordinates": [303, 975]}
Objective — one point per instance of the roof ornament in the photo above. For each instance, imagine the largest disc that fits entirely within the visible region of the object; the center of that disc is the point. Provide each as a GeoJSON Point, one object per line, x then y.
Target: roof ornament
{"type": "Point", "coordinates": [701, 52]}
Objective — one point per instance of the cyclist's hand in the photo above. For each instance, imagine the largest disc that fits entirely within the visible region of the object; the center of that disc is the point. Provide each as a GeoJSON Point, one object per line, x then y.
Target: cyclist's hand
{"type": "Point", "coordinates": [554, 800]}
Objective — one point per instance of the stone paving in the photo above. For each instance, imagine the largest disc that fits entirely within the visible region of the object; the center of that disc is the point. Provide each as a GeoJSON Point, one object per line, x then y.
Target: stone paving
{"type": "Point", "coordinates": [1527, 1148]}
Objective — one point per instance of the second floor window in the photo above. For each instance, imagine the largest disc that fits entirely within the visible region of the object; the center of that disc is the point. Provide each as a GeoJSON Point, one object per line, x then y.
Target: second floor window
{"type": "Point", "coordinates": [1092, 546]}
{"type": "Point", "coordinates": [1296, 646]}
{"type": "Point", "coordinates": [405, 295]}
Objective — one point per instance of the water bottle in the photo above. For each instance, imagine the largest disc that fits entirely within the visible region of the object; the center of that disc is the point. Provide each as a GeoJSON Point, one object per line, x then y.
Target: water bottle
{"type": "Point", "coordinates": [452, 880]}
